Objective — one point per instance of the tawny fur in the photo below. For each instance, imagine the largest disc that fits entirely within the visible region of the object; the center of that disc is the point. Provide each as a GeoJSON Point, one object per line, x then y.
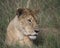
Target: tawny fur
{"type": "Point", "coordinates": [15, 31]}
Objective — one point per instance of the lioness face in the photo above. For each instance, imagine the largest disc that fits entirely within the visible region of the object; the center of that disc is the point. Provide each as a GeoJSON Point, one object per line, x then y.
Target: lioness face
{"type": "Point", "coordinates": [29, 24]}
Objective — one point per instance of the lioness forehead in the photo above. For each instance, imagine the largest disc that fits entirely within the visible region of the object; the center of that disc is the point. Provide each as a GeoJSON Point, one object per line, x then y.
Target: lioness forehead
{"type": "Point", "coordinates": [25, 12]}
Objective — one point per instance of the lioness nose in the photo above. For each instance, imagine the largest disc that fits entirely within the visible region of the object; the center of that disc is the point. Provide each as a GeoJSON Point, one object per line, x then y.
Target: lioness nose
{"type": "Point", "coordinates": [36, 31]}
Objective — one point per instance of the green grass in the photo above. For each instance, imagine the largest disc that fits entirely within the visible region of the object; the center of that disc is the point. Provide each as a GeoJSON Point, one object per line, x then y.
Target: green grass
{"type": "Point", "coordinates": [48, 19]}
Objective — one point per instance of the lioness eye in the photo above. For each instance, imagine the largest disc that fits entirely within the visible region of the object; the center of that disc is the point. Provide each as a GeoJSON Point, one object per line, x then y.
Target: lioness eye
{"type": "Point", "coordinates": [29, 20]}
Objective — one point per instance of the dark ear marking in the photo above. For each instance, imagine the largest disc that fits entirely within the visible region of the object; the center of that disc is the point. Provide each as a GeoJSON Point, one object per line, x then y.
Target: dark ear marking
{"type": "Point", "coordinates": [19, 12]}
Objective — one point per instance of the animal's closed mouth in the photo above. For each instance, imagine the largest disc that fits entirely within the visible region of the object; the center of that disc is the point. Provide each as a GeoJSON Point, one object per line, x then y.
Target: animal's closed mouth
{"type": "Point", "coordinates": [32, 36]}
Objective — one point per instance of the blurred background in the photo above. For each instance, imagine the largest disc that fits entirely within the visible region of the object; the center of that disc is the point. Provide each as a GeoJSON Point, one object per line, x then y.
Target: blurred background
{"type": "Point", "coordinates": [48, 20]}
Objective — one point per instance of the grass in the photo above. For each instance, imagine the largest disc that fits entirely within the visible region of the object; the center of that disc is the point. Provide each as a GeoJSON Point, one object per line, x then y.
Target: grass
{"type": "Point", "coordinates": [48, 19]}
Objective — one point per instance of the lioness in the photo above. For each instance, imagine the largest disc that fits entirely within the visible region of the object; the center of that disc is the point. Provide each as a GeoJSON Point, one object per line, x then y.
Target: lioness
{"type": "Point", "coordinates": [23, 29]}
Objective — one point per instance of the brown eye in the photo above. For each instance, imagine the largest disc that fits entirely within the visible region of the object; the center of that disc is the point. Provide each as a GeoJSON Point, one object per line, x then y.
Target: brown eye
{"type": "Point", "coordinates": [29, 20]}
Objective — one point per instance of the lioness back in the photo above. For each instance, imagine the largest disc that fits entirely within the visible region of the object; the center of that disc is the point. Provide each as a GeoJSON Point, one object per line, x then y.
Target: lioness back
{"type": "Point", "coordinates": [23, 29]}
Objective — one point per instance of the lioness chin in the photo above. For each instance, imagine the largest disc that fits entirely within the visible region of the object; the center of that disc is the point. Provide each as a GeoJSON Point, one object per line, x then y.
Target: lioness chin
{"type": "Point", "coordinates": [23, 29]}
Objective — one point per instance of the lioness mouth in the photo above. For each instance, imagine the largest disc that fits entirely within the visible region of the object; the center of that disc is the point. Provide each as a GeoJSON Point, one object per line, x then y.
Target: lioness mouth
{"type": "Point", "coordinates": [32, 36]}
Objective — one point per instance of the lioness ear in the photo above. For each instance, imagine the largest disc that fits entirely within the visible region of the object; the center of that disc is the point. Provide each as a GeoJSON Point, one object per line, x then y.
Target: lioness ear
{"type": "Point", "coordinates": [19, 12]}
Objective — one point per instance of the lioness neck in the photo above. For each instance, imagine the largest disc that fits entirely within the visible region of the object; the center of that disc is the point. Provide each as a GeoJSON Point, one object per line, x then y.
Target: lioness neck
{"type": "Point", "coordinates": [26, 41]}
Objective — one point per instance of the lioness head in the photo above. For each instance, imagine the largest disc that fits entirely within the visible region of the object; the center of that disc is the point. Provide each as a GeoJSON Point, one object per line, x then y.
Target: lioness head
{"type": "Point", "coordinates": [28, 23]}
